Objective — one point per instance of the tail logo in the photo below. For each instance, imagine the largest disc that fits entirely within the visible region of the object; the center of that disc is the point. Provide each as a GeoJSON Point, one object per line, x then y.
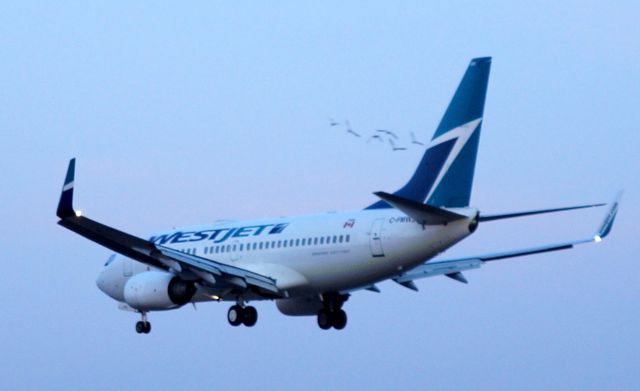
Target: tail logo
{"type": "Point", "coordinates": [461, 134]}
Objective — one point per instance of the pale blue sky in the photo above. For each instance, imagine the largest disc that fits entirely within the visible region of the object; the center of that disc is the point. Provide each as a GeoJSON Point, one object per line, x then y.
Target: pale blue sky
{"type": "Point", "coordinates": [184, 113]}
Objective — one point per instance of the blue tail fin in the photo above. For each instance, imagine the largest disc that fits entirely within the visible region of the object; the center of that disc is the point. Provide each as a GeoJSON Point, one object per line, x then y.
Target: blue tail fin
{"type": "Point", "coordinates": [445, 174]}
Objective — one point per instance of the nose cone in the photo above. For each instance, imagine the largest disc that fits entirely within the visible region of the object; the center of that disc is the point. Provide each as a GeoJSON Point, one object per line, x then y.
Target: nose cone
{"type": "Point", "coordinates": [101, 282]}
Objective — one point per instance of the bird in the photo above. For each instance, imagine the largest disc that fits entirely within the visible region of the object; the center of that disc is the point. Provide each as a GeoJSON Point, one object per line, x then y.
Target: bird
{"type": "Point", "coordinates": [333, 122]}
{"type": "Point", "coordinates": [388, 133]}
{"type": "Point", "coordinates": [375, 136]}
{"type": "Point", "coordinates": [394, 148]}
{"type": "Point", "coordinates": [349, 130]}
{"type": "Point", "coordinates": [414, 141]}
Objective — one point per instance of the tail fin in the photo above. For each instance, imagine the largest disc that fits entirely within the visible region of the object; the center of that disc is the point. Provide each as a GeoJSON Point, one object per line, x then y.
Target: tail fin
{"type": "Point", "coordinates": [445, 174]}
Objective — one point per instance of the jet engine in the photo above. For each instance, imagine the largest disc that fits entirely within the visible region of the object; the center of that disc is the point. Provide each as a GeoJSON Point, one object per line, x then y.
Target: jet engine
{"type": "Point", "coordinates": [156, 290]}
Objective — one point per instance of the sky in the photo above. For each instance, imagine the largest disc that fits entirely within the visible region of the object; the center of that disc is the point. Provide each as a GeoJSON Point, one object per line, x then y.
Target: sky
{"type": "Point", "coordinates": [183, 113]}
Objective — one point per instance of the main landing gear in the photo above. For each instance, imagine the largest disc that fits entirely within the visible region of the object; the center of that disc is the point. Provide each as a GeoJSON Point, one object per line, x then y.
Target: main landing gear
{"type": "Point", "coordinates": [239, 314]}
{"type": "Point", "coordinates": [332, 314]}
{"type": "Point", "coordinates": [143, 326]}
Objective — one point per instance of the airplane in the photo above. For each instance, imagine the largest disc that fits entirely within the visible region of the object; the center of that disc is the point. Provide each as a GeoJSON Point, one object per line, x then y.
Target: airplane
{"type": "Point", "coordinates": [311, 265]}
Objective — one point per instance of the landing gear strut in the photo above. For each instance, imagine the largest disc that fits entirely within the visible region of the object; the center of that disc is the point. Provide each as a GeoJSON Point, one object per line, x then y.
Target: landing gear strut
{"type": "Point", "coordinates": [239, 314]}
{"type": "Point", "coordinates": [332, 314]}
{"type": "Point", "coordinates": [143, 326]}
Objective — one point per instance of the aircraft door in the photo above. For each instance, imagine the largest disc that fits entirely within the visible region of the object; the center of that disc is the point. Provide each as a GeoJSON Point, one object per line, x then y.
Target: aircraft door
{"type": "Point", "coordinates": [375, 238]}
{"type": "Point", "coordinates": [235, 250]}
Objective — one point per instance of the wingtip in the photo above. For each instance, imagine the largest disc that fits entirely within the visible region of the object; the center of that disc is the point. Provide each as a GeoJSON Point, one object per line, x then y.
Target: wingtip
{"type": "Point", "coordinates": [65, 205]}
{"type": "Point", "coordinates": [607, 223]}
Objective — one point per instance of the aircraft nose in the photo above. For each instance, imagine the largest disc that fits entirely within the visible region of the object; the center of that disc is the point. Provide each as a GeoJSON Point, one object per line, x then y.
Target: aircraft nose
{"type": "Point", "coordinates": [101, 282]}
{"type": "Point", "coordinates": [109, 280]}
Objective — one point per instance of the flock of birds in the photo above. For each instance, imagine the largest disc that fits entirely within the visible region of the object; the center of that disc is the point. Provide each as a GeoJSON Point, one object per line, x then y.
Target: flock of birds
{"type": "Point", "coordinates": [378, 135]}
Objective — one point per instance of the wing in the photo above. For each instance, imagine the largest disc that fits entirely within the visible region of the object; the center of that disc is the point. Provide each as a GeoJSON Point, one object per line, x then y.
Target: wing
{"type": "Point", "coordinates": [453, 268]}
{"type": "Point", "coordinates": [491, 217]}
{"type": "Point", "coordinates": [188, 266]}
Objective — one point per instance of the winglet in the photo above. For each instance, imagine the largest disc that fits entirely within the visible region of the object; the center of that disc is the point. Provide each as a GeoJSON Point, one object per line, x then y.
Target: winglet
{"type": "Point", "coordinates": [65, 205]}
{"type": "Point", "coordinates": [605, 228]}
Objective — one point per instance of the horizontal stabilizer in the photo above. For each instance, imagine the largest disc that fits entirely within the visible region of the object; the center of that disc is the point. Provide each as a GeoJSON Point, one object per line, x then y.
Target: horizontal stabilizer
{"type": "Point", "coordinates": [422, 213]}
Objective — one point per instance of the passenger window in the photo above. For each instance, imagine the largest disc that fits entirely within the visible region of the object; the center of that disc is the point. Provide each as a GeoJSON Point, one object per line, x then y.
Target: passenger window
{"type": "Point", "coordinates": [297, 242]}
{"type": "Point", "coordinates": [284, 244]}
{"type": "Point", "coordinates": [335, 239]}
{"type": "Point", "coordinates": [322, 240]}
{"type": "Point", "coordinates": [340, 238]}
{"type": "Point", "coordinates": [348, 238]}
{"type": "Point", "coordinates": [260, 245]}
{"type": "Point", "coordinates": [315, 241]}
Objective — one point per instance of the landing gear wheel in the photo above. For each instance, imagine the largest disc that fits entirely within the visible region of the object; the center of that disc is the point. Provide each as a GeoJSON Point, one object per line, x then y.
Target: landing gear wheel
{"type": "Point", "coordinates": [249, 316]}
{"type": "Point", "coordinates": [235, 315]}
{"type": "Point", "coordinates": [339, 319]}
{"type": "Point", "coordinates": [324, 319]}
{"type": "Point", "coordinates": [143, 327]}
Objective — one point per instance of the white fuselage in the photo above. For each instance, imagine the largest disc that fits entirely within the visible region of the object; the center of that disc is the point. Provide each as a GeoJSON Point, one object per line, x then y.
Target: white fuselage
{"type": "Point", "coordinates": [306, 255]}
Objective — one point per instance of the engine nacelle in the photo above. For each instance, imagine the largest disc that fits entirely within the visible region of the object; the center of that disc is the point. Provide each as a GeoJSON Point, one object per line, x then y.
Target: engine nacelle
{"type": "Point", "coordinates": [156, 290]}
{"type": "Point", "coordinates": [299, 306]}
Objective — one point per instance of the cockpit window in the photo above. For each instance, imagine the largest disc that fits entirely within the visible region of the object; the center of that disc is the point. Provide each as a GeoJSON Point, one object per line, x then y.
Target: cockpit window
{"type": "Point", "coordinates": [111, 258]}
